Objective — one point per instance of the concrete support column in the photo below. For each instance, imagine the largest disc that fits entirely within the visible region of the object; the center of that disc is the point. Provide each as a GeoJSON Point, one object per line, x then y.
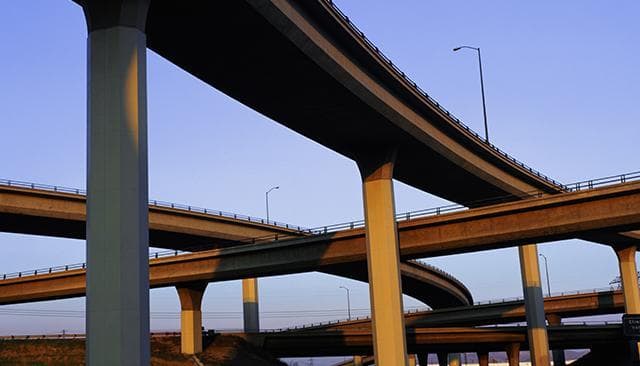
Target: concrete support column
{"type": "Point", "coordinates": [483, 358]}
{"type": "Point", "coordinates": [558, 354]}
{"type": "Point", "coordinates": [423, 359]}
{"type": "Point", "coordinates": [534, 305]}
{"type": "Point", "coordinates": [413, 360]}
{"type": "Point", "coordinates": [513, 354]}
{"type": "Point", "coordinates": [443, 359]}
{"type": "Point", "coordinates": [191, 317]}
{"type": "Point", "coordinates": [250, 308]}
{"type": "Point", "coordinates": [455, 359]}
{"type": "Point", "coordinates": [117, 301]}
{"type": "Point", "coordinates": [383, 260]}
{"type": "Point", "coordinates": [357, 361]}
{"type": "Point", "coordinates": [630, 290]}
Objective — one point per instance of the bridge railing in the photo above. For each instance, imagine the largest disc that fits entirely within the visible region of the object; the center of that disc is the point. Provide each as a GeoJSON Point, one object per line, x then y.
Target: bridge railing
{"type": "Point", "coordinates": [158, 203]}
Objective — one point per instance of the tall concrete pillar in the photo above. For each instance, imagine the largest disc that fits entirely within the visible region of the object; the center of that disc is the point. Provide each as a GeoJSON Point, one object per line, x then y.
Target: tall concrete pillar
{"type": "Point", "coordinates": [534, 305]}
{"type": "Point", "coordinates": [513, 354]}
{"type": "Point", "coordinates": [443, 358]}
{"type": "Point", "coordinates": [117, 184]}
{"type": "Point", "coordinates": [630, 290]}
{"type": "Point", "coordinates": [383, 260]}
{"type": "Point", "coordinates": [191, 316]}
{"type": "Point", "coordinates": [357, 361]}
{"type": "Point", "coordinates": [250, 308]}
{"type": "Point", "coordinates": [413, 360]}
{"type": "Point", "coordinates": [483, 358]}
{"type": "Point", "coordinates": [423, 359]}
{"type": "Point", "coordinates": [455, 359]}
{"type": "Point", "coordinates": [558, 354]}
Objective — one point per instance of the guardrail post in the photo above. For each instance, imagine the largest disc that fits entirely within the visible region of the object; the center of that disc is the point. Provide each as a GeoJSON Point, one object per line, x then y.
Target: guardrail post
{"type": "Point", "coordinates": [383, 259]}
{"type": "Point", "coordinates": [250, 305]}
{"type": "Point", "coordinates": [117, 184]}
{"type": "Point", "coordinates": [534, 305]}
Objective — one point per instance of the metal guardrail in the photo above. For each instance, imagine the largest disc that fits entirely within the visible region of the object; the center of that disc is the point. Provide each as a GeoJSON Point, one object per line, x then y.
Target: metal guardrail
{"type": "Point", "coordinates": [157, 203]}
{"type": "Point", "coordinates": [321, 230]}
{"type": "Point", "coordinates": [425, 96]}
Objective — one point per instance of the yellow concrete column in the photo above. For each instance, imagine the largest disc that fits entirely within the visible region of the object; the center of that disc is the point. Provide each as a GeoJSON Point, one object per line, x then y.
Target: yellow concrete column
{"type": "Point", "coordinates": [250, 309]}
{"type": "Point", "coordinates": [191, 316]}
{"type": "Point", "coordinates": [483, 358]}
{"type": "Point", "coordinates": [558, 354]}
{"type": "Point", "coordinates": [454, 359]}
{"type": "Point", "coordinates": [383, 260]}
{"type": "Point", "coordinates": [513, 354]}
{"type": "Point", "coordinates": [357, 361]}
{"type": "Point", "coordinates": [413, 360]}
{"type": "Point", "coordinates": [630, 291]}
{"type": "Point", "coordinates": [534, 305]}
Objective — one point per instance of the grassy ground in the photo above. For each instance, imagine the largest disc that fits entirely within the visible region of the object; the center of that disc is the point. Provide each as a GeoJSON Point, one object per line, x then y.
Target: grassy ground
{"type": "Point", "coordinates": [220, 351]}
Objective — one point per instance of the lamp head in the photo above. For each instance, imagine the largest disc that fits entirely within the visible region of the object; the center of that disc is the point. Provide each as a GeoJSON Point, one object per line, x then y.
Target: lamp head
{"type": "Point", "coordinates": [457, 49]}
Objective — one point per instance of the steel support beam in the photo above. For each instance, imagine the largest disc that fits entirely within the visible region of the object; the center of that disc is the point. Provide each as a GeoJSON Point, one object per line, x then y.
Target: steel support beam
{"type": "Point", "coordinates": [191, 317]}
{"type": "Point", "coordinates": [117, 188]}
{"type": "Point", "coordinates": [534, 305]}
{"type": "Point", "coordinates": [250, 309]}
{"type": "Point", "coordinates": [383, 260]}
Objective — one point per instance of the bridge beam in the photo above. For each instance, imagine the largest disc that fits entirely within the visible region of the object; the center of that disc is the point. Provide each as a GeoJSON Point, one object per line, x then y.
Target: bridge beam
{"type": "Point", "coordinates": [191, 316]}
{"type": "Point", "coordinates": [631, 292]}
{"type": "Point", "coordinates": [534, 305]}
{"type": "Point", "coordinates": [250, 309]}
{"type": "Point", "coordinates": [383, 258]}
{"type": "Point", "coordinates": [117, 184]}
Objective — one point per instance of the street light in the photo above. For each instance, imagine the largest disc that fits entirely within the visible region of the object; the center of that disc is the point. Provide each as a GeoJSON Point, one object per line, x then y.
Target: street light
{"type": "Point", "coordinates": [348, 302]}
{"type": "Point", "coordinates": [266, 197]}
{"type": "Point", "coordinates": [546, 268]}
{"type": "Point", "coordinates": [484, 105]}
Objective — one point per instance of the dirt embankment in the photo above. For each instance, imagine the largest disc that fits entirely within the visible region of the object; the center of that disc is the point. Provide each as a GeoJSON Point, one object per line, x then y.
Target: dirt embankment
{"type": "Point", "coordinates": [220, 351]}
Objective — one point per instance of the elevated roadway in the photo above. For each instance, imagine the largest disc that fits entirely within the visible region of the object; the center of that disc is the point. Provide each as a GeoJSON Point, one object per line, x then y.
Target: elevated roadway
{"type": "Point", "coordinates": [435, 340]}
{"type": "Point", "coordinates": [541, 219]}
{"type": "Point", "coordinates": [61, 212]}
{"type": "Point", "coordinates": [556, 307]}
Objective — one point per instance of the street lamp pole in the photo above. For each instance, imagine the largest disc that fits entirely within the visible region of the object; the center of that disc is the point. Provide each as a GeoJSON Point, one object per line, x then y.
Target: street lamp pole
{"type": "Point", "coordinates": [546, 268]}
{"type": "Point", "coordinates": [484, 104]}
{"type": "Point", "coordinates": [348, 302]}
{"type": "Point", "coordinates": [266, 198]}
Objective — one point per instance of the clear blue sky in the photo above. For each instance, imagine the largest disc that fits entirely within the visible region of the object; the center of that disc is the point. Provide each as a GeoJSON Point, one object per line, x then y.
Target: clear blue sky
{"type": "Point", "coordinates": [562, 85]}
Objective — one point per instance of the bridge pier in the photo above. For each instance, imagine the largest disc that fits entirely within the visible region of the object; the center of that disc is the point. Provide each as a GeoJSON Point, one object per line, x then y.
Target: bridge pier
{"type": "Point", "coordinates": [513, 354]}
{"type": "Point", "coordinates": [250, 309]}
{"type": "Point", "coordinates": [631, 292]}
{"type": "Point", "coordinates": [357, 361]}
{"type": "Point", "coordinates": [383, 259]}
{"type": "Point", "coordinates": [483, 358]}
{"type": "Point", "coordinates": [191, 316]}
{"type": "Point", "coordinates": [534, 305]}
{"type": "Point", "coordinates": [443, 359]}
{"type": "Point", "coordinates": [558, 354]}
{"type": "Point", "coordinates": [413, 360]}
{"type": "Point", "coordinates": [454, 359]}
{"type": "Point", "coordinates": [423, 359]}
{"type": "Point", "coordinates": [117, 184]}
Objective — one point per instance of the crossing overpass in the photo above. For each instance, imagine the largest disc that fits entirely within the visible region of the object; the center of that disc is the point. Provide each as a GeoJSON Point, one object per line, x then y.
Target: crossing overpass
{"type": "Point", "coordinates": [547, 218]}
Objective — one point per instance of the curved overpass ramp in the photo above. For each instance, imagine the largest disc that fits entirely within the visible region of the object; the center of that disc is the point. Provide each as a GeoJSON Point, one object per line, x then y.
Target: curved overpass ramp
{"type": "Point", "coordinates": [53, 213]}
